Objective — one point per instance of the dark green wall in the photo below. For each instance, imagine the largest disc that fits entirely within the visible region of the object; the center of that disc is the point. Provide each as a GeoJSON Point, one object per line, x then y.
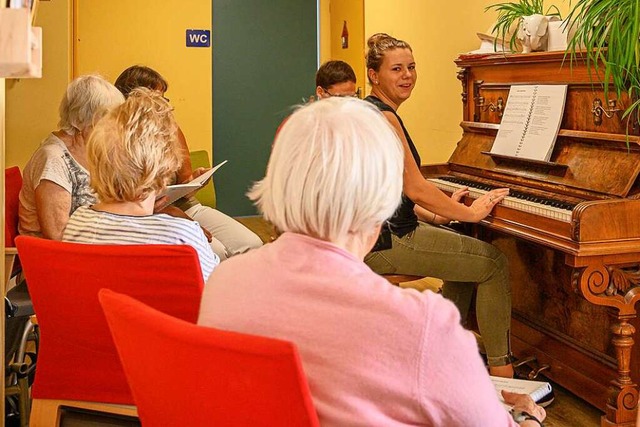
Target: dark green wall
{"type": "Point", "coordinates": [264, 61]}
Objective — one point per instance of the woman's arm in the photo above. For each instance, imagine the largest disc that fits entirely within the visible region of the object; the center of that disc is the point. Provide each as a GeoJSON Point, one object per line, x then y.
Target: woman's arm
{"type": "Point", "coordinates": [53, 204]}
{"type": "Point", "coordinates": [432, 218]}
{"type": "Point", "coordinates": [429, 197]}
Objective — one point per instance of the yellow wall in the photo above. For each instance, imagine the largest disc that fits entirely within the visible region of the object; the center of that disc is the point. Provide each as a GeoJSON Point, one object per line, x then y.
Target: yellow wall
{"type": "Point", "coordinates": [437, 35]}
{"type": "Point", "coordinates": [351, 11]}
{"type": "Point", "coordinates": [325, 30]}
{"type": "Point", "coordinates": [32, 104]}
{"type": "Point", "coordinates": [152, 33]}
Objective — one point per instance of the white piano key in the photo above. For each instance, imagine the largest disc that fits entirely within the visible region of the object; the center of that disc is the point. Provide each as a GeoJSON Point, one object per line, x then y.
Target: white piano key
{"type": "Point", "coordinates": [510, 202]}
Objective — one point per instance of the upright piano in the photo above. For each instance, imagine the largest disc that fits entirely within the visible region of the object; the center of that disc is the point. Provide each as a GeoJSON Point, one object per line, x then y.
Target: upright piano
{"type": "Point", "coordinates": [570, 228]}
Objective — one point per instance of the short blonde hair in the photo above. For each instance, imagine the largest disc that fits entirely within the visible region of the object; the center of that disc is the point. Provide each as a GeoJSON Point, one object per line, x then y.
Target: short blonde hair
{"type": "Point", "coordinates": [134, 150]}
{"type": "Point", "coordinates": [86, 99]}
{"type": "Point", "coordinates": [336, 169]}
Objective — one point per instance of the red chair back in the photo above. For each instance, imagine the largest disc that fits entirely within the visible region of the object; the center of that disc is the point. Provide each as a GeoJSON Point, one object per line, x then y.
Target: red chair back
{"type": "Point", "coordinates": [77, 359]}
{"type": "Point", "coordinates": [12, 186]}
{"type": "Point", "coordinates": [184, 374]}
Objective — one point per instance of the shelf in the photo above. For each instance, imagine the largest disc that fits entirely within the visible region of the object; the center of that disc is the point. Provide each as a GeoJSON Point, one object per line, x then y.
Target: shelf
{"type": "Point", "coordinates": [20, 45]}
{"type": "Point", "coordinates": [548, 167]}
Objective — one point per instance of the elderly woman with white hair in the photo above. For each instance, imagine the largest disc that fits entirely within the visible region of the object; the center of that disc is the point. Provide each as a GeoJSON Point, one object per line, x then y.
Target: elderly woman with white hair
{"type": "Point", "coordinates": [374, 354]}
{"type": "Point", "coordinates": [56, 180]}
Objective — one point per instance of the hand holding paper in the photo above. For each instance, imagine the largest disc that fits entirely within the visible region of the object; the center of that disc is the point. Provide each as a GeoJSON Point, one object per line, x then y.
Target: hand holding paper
{"type": "Point", "coordinates": [175, 192]}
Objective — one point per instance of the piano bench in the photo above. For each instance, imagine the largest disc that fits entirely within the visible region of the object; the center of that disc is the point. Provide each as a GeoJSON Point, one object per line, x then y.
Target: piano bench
{"type": "Point", "coordinates": [396, 279]}
{"type": "Point", "coordinates": [420, 283]}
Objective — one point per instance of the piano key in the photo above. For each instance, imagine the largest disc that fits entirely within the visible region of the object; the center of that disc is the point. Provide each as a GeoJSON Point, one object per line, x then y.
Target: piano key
{"type": "Point", "coordinates": [555, 209]}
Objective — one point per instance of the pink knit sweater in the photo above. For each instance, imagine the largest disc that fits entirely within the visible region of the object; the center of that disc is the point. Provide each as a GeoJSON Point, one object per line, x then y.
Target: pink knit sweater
{"type": "Point", "coordinates": [374, 354]}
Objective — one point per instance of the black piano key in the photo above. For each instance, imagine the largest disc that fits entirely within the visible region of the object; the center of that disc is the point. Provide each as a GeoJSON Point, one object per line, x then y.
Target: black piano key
{"type": "Point", "coordinates": [513, 193]}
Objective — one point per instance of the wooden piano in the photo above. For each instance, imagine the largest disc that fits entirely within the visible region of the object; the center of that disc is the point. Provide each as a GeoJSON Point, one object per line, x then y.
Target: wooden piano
{"type": "Point", "coordinates": [570, 228]}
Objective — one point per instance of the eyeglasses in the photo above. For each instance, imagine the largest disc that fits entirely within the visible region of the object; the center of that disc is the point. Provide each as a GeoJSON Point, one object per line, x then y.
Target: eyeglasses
{"type": "Point", "coordinates": [340, 95]}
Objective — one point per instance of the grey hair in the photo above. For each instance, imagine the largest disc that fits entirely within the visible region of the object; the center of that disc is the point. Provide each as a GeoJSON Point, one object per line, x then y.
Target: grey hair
{"type": "Point", "coordinates": [336, 168]}
{"type": "Point", "coordinates": [86, 99]}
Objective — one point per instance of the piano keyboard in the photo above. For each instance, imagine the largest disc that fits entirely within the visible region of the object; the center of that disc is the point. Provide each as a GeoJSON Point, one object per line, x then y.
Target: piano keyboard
{"type": "Point", "coordinates": [520, 201]}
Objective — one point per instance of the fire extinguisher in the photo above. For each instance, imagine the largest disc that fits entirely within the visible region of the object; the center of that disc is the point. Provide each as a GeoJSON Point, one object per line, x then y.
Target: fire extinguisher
{"type": "Point", "coordinates": [345, 36]}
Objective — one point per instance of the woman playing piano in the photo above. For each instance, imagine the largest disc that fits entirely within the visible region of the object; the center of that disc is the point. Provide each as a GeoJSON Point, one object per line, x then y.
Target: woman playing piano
{"type": "Point", "coordinates": [419, 246]}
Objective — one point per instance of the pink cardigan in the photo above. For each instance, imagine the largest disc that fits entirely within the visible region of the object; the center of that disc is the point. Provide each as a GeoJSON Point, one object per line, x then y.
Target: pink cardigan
{"type": "Point", "coordinates": [374, 354]}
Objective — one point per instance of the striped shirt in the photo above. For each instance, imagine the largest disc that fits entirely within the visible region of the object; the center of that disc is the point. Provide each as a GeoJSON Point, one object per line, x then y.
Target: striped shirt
{"type": "Point", "coordinates": [103, 228]}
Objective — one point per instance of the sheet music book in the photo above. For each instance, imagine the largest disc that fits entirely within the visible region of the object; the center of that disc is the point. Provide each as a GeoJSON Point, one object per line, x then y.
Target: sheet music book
{"type": "Point", "coordinates": [538, 390]}
{"type": "Point", "coordinates": [531, 121]}
{"type": "Point", "coordinates": [174, 192]}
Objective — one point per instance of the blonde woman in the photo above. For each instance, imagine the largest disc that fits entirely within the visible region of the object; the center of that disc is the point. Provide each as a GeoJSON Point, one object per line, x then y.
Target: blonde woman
{"type": "Point", "coordinates": [419, 247]}
{"type": "Point", "coordinates": [132, 154]}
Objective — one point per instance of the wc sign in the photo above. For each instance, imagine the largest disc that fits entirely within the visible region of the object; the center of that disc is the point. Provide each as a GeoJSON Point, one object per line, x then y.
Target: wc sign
{"type": "Point", "coordinates": [198, 38]}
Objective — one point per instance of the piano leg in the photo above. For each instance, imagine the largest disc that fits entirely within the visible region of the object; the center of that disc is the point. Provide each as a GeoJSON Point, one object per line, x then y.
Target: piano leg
{"type": "Point", "coordinates": [617, 288]}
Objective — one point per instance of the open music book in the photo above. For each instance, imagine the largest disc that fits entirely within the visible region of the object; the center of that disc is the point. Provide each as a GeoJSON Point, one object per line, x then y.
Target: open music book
{"type": "Point", "coordinates": [174, 192]}
{"type": "Point", "coordinates": [531, 121]}
{"type": "Point", "coordinates": [540, 391]}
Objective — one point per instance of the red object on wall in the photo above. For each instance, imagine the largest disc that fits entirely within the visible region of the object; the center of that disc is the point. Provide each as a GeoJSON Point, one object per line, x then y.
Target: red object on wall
{"type": "Point", "coordinates": [344, 38]}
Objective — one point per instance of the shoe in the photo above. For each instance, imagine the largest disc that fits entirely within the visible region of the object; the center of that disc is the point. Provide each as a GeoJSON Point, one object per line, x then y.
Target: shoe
{"type": "Point", "coordinates": [546, 400]}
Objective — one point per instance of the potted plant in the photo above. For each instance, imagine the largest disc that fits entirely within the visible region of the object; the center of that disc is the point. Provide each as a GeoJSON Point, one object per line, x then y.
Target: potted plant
{"type": "Point", "coordinates": [607, 33]}
{"type": "Point", "coordinates": [510, 13]}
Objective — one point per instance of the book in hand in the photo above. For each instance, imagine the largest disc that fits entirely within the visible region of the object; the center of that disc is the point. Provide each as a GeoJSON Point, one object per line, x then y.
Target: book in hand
{"type": "Point", "coordinates": [540, 391]}
{"type": "Point", "coordinates": [530, 122]}
{"type": "Point", "coordinates": [175, 192]}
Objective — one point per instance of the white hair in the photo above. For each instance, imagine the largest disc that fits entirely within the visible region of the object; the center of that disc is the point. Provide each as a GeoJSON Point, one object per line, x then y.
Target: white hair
{"type": "Point", "coordinates": [86, 99]}
{"type": "Point", "coordinates": [336, 168]}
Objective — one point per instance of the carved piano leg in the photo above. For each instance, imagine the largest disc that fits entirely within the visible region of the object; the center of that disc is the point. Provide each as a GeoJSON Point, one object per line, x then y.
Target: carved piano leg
{"type": "Point", "coordinates": [617, 288]}
{"type": "Point", "coordinates": [623, 398]}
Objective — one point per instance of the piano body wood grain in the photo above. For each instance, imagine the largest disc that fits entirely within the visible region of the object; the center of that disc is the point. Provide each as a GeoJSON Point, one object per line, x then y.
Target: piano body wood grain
{"type": "Point", "coordinates": [575, 269]}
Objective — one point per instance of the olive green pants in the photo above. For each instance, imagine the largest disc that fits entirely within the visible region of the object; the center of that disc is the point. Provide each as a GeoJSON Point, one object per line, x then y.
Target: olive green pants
{"type": "Point", "coordinates": [461, 262]}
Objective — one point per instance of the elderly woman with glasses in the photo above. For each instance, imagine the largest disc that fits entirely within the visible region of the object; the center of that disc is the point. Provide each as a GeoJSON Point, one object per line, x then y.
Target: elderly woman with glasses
{"type": "Point", "coordinates": [374, 354]}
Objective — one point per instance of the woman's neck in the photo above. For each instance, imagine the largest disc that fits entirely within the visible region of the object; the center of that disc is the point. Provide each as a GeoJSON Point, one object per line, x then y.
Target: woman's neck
{"type": "Point", "coordinates": [76, 145]}
{"type": "Point", "coordinates": [359, 244]}
{"type": "Point", "coordinates": [375, 91]}
{"type": "Point", "coordinates": [137, 208]}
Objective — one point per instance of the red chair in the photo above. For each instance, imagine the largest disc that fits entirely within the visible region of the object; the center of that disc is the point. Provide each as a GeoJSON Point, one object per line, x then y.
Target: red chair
{"type": "Point", "coordinates": [183, 374]}
{"type": "Point", "coordinates": [77, 358]}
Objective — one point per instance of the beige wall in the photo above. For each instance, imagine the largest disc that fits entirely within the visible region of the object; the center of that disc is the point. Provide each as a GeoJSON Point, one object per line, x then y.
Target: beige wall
{"type": "Point", "coordinates": [32, 104]}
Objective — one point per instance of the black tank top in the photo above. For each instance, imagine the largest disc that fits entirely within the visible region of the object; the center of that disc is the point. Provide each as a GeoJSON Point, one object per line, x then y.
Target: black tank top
{"type": "Point", "coordinates": [404, 221]}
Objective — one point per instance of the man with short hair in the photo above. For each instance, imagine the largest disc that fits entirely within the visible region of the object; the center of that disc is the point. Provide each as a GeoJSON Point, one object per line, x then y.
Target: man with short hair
{"type": "Point", "coordinates": [335, 78]}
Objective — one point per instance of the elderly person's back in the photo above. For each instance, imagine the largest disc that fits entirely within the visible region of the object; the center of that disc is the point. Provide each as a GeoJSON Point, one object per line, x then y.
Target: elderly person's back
{"type": "Point", "coordinates": [132, 154]}
{"type": "Point", "coordinates": [374, 354]}
{"type": "Point", "coordinates": [56, 179]}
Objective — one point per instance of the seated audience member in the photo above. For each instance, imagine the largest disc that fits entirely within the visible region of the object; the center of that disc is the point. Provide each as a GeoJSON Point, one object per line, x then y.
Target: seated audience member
{"type": "Point", "coordinates": [335, 78]}
{"type": "Point", "coordinates": [228, 237]}
{"type": "Point", "coordinates": [56, 180]}
{"type": "Point", "coordinates": [132, 154]}
{"type": "Point", "coordinates": [374, 354]}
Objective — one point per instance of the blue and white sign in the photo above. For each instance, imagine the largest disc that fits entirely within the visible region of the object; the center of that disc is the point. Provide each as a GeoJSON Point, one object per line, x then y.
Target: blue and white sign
{"type": "Point", "coordinates": [198, 38]}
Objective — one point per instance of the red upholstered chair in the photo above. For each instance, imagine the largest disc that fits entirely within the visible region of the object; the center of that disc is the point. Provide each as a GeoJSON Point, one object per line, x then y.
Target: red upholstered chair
{"type": "Point", "coordinates": [78, 364]}
{"type": "Point", "coordinates": [188, 375]}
